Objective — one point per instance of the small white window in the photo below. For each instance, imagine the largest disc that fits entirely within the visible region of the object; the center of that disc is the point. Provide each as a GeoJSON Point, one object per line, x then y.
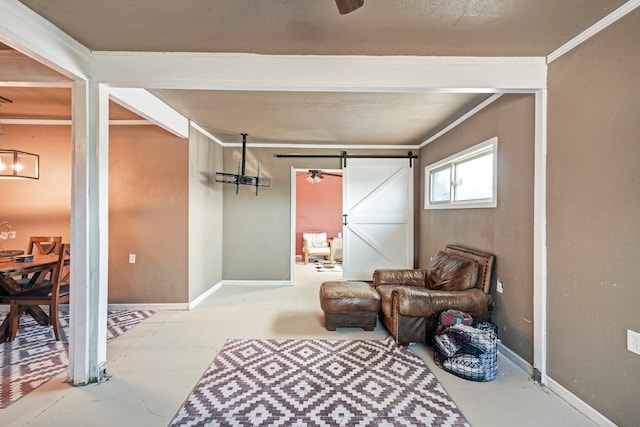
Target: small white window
{"type": "Point", "coordinates": [465, 180]}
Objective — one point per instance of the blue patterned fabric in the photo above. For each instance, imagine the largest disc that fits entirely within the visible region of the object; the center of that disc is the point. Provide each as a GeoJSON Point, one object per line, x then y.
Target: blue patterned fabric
{"type": "Point", "coordinates": [468, 352]}
{"type": "Point", "coordinates": [465, 366]}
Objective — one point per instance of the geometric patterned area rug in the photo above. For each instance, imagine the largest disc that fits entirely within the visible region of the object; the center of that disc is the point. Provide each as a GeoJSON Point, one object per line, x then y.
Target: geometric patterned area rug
{"type": "Point", "coordinates": [35, 357]}
{"type": "Point", "coordinates": [318, 383]}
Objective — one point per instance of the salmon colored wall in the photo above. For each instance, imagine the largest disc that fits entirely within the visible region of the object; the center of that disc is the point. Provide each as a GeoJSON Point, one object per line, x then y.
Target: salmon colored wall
{"type": "Point", "coordinates": [148, 195]}
{"type": "Point", "coordinates": [148, 215]}
{"type": "Point", "coordinates": [318, 207]}
{"type": "Point", "coordinates": [38, 207]}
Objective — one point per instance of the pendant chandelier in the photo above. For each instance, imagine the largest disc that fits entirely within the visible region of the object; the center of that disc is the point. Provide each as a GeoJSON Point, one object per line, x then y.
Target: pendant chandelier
{"type": "Point", "coordinates": [16, 163]}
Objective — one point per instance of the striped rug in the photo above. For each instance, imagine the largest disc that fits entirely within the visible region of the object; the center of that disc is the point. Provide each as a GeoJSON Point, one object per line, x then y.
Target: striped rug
{"type": "Point", "coordinates": [35, 357]}
{"type": "Point", "coordinates": [318, 383]}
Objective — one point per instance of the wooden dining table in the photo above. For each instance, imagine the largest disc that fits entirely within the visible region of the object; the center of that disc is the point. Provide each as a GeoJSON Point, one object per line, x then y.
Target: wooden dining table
{"type": "Point", "coordinates": [36, 271]}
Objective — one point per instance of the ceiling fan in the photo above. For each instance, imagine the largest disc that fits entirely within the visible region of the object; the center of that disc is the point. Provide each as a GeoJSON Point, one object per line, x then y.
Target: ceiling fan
{"type": "Point", "coordinates": [317, 175]}
{"type": "Point", "coordinates": [347, 6]}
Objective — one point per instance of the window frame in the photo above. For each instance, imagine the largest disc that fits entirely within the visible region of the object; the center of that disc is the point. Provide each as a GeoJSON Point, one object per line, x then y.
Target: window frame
{"type": "Point", "coordinates": [476, 151]}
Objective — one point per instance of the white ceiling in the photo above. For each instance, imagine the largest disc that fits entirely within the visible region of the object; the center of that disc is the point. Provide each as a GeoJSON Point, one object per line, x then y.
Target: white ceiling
{"type": "Point", "coordinates": [314, 27]}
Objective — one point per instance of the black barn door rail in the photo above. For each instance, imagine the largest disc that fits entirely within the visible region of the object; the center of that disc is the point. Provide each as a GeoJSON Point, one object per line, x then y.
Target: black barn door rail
{"type": "Point", "coordinates": [344, 156]}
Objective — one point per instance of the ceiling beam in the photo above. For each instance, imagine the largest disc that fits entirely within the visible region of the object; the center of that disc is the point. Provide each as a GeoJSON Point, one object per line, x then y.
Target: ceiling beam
{"type": "Point", "coordinates": [37, 38]}
{"type": "Point", "coordinates": [236, 71]}
{"type": "Point", "coordinates": [151, 108]}
{"type": "Point", "coordinates": [19, 70]}
{"type": "Point", "coordinates": [206, 133]}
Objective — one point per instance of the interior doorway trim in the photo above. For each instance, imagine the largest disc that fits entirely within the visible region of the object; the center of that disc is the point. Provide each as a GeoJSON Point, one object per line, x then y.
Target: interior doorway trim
{"type": "Point", "coordinates": [293, 214]}
{"type": "Point", "coordinates": [540, 240]}
{"type": "Point", "coordinates": [292, 237]}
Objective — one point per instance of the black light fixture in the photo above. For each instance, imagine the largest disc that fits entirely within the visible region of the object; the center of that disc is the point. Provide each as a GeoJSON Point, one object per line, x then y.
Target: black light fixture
{"type": "Point", "coordinates": [314, 177]}
{"type": "Point", "coordinates": [16, 163]}
{"type": "Point", "coordinates": [240, 178]}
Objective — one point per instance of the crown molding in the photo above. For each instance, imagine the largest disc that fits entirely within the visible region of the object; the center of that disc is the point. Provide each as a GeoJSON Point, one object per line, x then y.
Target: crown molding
{"type": "Point", "coordinates": [617, 14]}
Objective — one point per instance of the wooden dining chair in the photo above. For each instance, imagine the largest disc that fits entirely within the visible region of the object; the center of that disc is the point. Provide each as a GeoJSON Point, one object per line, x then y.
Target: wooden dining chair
{"type": "Point", "coordinates": [44, 245]}
{"type": "Point", "coordinates": [50, 293]}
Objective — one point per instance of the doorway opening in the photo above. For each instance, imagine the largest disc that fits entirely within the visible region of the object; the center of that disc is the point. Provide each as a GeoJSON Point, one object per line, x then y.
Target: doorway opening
{"type": "Point", "coordinates": [316, 205]}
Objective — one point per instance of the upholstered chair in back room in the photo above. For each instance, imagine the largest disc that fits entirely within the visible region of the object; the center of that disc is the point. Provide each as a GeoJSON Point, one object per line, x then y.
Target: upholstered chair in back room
{"type": "Point", "coordinates": [315, 243]}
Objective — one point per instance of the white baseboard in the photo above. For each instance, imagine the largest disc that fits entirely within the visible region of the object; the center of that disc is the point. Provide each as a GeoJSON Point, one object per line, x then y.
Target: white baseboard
{"type": "Point", "coordinates": [579, 404]}
{"type": "Point", "coordinates": [168, 306]}
{"type": "Point", "coordinates": [557, 389]}
{"type": "Point", "coordinates": [515, 358]}
{"type": "Point", "coordinates": [257, 283]}
{"type": "Point", "coordinates": [149, 306]}
{"type": "Point", "coordinates": [205, 295]}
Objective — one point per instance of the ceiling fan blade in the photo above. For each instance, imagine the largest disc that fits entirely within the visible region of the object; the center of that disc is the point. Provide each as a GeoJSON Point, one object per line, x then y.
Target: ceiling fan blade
{"type": "Point", "coordinates": [347, 6]}
{"type": "Point", "coordinates": [321, 174]}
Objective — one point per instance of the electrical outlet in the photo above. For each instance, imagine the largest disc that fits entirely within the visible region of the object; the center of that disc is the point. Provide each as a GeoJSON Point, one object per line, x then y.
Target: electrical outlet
{"type": "Point", "coordinates": [132, 258]}
{"type": "Point", "coordinates": [633, 341]}
{"type": "Point", "coordinates": [499, 286]}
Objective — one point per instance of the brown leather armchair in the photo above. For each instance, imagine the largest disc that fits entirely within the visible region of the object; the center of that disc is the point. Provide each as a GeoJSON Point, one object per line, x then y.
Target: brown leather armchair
{"type": "Point", "coordinates": [411, 299]}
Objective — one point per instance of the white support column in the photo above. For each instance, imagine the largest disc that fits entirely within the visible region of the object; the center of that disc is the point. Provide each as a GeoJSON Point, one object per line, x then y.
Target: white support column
{"type": "Point", "coordinates": [89, 234]}
{"type": "Point", "coordinates": [540, 240]}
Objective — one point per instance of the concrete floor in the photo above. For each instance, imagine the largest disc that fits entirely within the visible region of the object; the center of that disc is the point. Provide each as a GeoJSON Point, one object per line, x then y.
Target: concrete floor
{"type": "Point", "coordinates": [154, 366]}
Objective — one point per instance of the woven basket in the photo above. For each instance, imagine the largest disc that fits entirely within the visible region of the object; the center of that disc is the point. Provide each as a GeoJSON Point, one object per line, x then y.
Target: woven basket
{"type": "Point", "coordinates": [468, 352]}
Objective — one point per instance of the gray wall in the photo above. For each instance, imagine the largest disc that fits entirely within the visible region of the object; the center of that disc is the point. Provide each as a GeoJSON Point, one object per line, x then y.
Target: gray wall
{"type": "Point", "coordinates": [594, 220]}
{"type": "Point", "coordinates": [506, 231]}
{"type": "Point", "coordinates": [205, 215]}
{"type": "Point", "coordinates": [257, 230]}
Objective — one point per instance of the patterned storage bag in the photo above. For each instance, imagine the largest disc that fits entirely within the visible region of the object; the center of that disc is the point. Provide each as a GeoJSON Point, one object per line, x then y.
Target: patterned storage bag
{"type": "Point", "coordinates": [468, 352]}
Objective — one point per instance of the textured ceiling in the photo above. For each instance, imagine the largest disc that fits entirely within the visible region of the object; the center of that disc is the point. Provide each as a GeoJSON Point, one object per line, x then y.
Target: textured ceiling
{"type": "Point", "coordinates": [314, 27]}
{"type": "Point", "coordinates": [304, 27]}
{"type": "Point", "coordinates": [317, 117]}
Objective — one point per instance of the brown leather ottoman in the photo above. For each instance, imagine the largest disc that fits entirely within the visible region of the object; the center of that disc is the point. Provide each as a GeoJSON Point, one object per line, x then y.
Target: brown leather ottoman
{"type": "Point", "coordinates": [349, 305]}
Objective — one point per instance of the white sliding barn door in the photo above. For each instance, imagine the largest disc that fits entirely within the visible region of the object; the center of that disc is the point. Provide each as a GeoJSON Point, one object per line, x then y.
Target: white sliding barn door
{"type": "Point", "coordinates": [378, 208]}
